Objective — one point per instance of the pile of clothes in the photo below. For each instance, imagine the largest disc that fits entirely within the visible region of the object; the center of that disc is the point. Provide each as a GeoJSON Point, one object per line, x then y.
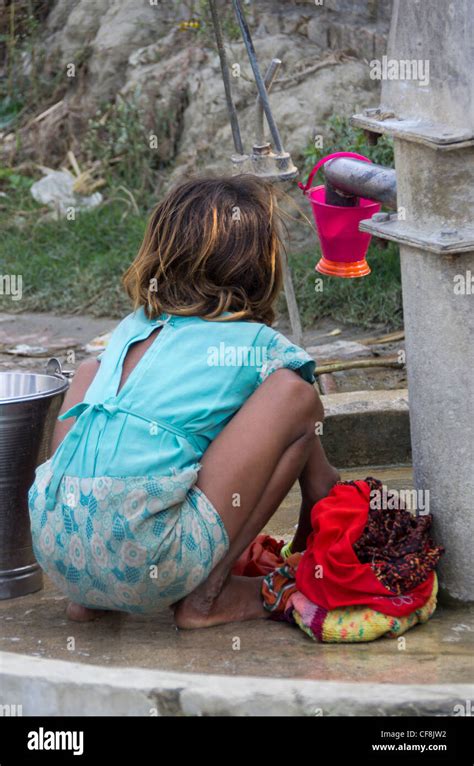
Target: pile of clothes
{"type": "Point", "coordinates": [367, 571]}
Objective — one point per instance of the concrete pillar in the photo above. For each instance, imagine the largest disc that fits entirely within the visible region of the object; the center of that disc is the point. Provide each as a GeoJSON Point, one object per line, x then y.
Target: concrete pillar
{"type": "Point", "coordinates": [433, 127]}
{"type": "Point", "coordinates": [439, 327]}
{"type": "Point", "coordinates": [438, 309]}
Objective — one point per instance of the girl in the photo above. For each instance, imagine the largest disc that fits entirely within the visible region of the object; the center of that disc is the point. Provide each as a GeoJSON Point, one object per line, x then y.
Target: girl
{"type": "Point", "coordinates": [192, 426]}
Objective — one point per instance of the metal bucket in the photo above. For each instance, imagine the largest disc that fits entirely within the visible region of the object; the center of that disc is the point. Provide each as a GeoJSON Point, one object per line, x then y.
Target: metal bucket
{"type": "Point", "coordinates": [29, 406]}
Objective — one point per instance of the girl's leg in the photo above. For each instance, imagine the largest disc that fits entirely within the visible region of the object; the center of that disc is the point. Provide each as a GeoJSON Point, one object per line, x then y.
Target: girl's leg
{"type": "Point", "coordinates": [313, 488]}
{"type": "Point", "coordinates": [246, 473]}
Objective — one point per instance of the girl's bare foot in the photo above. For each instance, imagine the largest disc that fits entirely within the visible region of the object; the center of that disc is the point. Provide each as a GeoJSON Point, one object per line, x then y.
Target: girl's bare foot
{"type": "Point", "coordinates": [79, 613]}
{"type": "Point", "coordinates": [238, 600]}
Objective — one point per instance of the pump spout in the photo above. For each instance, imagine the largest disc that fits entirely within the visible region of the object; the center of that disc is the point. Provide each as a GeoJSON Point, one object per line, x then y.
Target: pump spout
{"type": "Point", "coordinates": [348, 178]}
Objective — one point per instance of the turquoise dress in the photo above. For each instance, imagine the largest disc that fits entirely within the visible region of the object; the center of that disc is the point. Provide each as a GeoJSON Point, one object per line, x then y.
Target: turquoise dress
{"type": "Point", "coordinates": [117, 521]}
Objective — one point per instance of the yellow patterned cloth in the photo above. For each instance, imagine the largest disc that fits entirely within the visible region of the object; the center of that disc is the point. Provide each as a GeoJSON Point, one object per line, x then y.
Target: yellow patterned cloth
{"type": "Point", "coordinates": [357, 624]}
{"type": "Point", "coordinates": [353, 624]}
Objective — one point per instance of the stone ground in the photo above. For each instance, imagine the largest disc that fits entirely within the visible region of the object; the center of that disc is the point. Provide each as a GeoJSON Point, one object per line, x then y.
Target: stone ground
{"type": "Point", "coordinates": [58, 334]}
{"type": "Point", "coordinates": [439, 652]}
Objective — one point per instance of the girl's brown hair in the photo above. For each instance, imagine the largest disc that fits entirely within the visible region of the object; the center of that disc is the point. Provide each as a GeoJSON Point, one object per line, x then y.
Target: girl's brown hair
{"type": "Point", "coordinates": [211, 246]}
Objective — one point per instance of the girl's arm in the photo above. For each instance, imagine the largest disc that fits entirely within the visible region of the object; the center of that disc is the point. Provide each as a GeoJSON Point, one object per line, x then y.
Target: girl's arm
{"type": "Point", "coordinates": [81, 381]}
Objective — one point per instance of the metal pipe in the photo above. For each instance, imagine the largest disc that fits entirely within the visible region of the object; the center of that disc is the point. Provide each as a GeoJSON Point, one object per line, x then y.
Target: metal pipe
{"type": "Point", "coordinates": [334, 196]}
{"type": "Point", "coordinates": [362, 179]}
{"type": "Point", "coordinates": [258, 77]}
{"type": "Point", "coordinates": [234, 122]}
{"type": "Point", "coordinates": [269, 78]}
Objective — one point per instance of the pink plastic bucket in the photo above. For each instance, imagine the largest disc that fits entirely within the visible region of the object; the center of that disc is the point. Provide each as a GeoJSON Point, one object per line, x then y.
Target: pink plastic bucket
{"type": "Point", "coordinates": [343, 246]}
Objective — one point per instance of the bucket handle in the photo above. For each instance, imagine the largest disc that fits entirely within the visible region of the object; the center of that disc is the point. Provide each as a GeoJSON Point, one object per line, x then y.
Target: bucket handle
{"type": "Point", "coordinates": [53, 367]}
{"type": "Point", "coordinates": [325, 159]}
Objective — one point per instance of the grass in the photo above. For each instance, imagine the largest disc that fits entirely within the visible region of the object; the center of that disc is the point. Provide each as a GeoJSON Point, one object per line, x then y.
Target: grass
{"type": "Point", "coordinates": [70, 266]}
{"type": "Point", "coordinates": [367, 301]}
{"type": "Point", "coordinates": [117, 140]}
{"type": "Point", "coordinates": [341, 136]}
{"type": "Point", "coordinates": [26, 86]}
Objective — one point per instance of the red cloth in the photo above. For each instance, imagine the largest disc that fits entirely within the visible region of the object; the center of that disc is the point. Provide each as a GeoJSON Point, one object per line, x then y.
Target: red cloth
{"type": "Point", "coordinates": [341, 580]}
{"type": "Point", "coordinates": [260, 558]}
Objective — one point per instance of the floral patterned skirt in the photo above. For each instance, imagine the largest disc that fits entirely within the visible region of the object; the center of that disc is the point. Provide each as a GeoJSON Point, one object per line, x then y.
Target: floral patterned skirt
{"type": "Point", "coordinates": [134, 544]}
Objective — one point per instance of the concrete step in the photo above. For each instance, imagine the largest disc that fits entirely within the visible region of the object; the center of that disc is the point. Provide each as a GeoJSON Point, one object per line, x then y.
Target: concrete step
{"type": "Point", "coordinates": [54, 687]}
{"type": "Point", "coordinates": [367, 428]}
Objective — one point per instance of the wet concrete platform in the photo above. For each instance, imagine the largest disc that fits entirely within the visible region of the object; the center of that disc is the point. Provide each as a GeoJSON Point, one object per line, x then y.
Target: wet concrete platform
{"type": "Point", "coordinates": [440, 652]}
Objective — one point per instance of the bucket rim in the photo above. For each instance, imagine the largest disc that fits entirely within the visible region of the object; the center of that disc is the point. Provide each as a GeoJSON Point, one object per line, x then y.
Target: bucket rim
{"type": "Point", "coordinates": [63, 385]}
{"type": "Point", "coordinates": [339, 207]}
